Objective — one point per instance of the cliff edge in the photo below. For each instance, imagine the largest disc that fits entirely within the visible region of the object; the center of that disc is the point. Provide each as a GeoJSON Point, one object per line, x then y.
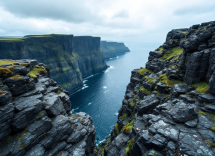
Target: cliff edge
{"type": "Point", "coordinates": [169, 106]}
{"type": "Point", "coordinates": [35, 117]}
{"type": "Point", "coordinates": [112, 49]}
{"type": "Point", "coordinates": [70, 58]}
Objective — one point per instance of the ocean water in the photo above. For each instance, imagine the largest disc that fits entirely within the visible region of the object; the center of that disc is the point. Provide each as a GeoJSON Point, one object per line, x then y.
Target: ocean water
{"type": "Point", "coordinates": [102, 94]}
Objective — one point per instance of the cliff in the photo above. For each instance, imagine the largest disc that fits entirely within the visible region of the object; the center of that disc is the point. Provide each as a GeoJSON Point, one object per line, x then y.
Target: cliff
{"type": "Point", "coordinates": [70, 58]}
{"type": "Point", "coordinates": [90, 58]}
{"type": "Point", "coordinates": [112, 49]}
{"type": "Point", "coordinates": [35, 117]}
{"type": "Point", "coordinates": [169, 106]}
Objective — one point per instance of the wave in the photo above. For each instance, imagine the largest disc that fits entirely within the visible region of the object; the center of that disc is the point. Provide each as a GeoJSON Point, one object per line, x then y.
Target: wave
{"type": "Point", "coordinates": [110, 67]}
{"type": "Point", "coordinates": [89, 77]}
{"type": "Point", "coordinates": [73, 110]}
{"type": "Point", "coordinates": [84, 87]}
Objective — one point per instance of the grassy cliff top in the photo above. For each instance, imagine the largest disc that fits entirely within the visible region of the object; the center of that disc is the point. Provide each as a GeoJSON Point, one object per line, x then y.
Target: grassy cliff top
{"type": "Point", "coordinates": [47, 35]}
{"type": "Point", "coordinates": [21, 39]}
{"type": "Point", "coordinates": [4, 39]}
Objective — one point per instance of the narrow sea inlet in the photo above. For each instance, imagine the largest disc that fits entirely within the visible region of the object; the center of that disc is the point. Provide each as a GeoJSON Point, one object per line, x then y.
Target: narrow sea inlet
{"type": "Point", "coordinates": [102, 94]}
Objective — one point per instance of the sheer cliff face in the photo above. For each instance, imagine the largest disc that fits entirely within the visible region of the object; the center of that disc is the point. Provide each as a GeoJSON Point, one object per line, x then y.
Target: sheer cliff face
{"type": "Point", "coordinates": [169, 106]}
{"type": "Point", "coordinates": [11, 48]}
{"type": "Point", "coordinates": [69, 63]}
{"type": "Point", "coordinates": [112, 49]}
{"type": "Point", "coordinates": [89, 56]}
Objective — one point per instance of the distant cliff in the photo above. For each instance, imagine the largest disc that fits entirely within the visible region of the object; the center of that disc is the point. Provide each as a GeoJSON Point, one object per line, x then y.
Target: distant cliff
{"type": "Point", "coordinates": [112, 49]}
{"type": "Point", "coordinates": [70, 58]}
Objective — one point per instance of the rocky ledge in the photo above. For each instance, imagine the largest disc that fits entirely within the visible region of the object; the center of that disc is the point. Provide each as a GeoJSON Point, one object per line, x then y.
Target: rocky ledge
{"type": "Point", "coordinates": [169, 106]}
{"type": "Point", "coordinates": [35, 117]}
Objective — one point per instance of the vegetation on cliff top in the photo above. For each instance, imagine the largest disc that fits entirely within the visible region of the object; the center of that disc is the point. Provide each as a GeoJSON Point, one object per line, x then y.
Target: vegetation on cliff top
{"type": "Point", "coordinates": [11, 39]}
{"type": "Point", "coordinates": [175, 52]}
{"type": "Point", "coordinates": [164, 79]}
{"type": "Point", "coordinates": [37, 70]}
{"type": "Point", "coordinates": [143, 70]}
{"type": "Point", "coordinates": [202, 87]}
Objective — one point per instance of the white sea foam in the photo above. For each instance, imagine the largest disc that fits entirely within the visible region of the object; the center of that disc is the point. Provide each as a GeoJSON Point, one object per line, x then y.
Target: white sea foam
{"type": "Point", "coordinates": [85, 81]}
{"type": "Point", "coordinates": [89, 77]}
{"type": "Point", "coordinates": [73, 110]}
{"type": "Point", "coordinates": [84, 87]}
{"type": "Point", "coordinates": [106, 91]}
{"type": "Point", "coordinates": [107, 70]}
{"type": "Point", "coordinates": [104, 87]}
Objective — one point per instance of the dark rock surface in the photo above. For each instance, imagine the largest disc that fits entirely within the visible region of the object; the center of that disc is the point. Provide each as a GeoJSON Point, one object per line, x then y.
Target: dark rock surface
{"type": "Point", "coordinates": [169, 106]}
{"type": "Point", "coordinates": [36, 121]}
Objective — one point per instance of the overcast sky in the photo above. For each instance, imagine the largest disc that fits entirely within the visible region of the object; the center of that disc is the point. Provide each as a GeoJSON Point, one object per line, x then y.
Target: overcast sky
{"type": "Point", "coordinates": [134, 22]}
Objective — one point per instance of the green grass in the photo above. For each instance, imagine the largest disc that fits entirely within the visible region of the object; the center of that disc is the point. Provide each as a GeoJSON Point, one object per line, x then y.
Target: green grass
{"type": "Point", "coordinates": [6, 70]}
{"type": "Point", "coordinates": [22, 146]}
{"type": "Point", "coordinates": [6, 142]}
{"type": "Point", "coordinates": [164, 79]}
{"type": "Point", "coordinates": [2, 62]}
{"type": "Point", "coordinates": [124, 116]}
{"type": "Point", "coordinates": [175, 52]}
{"type": "Point", "coordinates": [11, 39]}
{"type": "Point", "coordinates": [16, 77]}
{"type": "Point", "coordinates": [117, 128]}
{"type": "Point", "coordinates": [132, 104]}
{"type": "Point", "coordinates": [211, 143]}
{"type": "Point", "coordinates": [173, 40]}
{"type": "Point", "coordinates": [160, 50]}
{"type": "Point", "coordinates": [130, 145]}
{"type": "Point", "coordinates": [130, 142]}
{"type": "Point", "coordinates": [157, 92]}
{"type": "Point", "coordinates": [143, 70]}
{"type": "Point", "coordinates": [103, 149]}
{"type": "Point", "coordinates": [212, 128]}
{"type": "Point", "coordinates": [129, 126]}
{"type": "Point", "coordinates": [127, 150]}
{"type": "Point", "coordinates": [213, 116]}
{"type": "Point", "coordinates": [202, 87]}
{"type": "Point", "coordinates": [150, 80]}
{"type": "Point", "coordinates": [145, 90]}
{"type": "Point", "coordinates": [37, 70]}
{"type": "Point", "coordinates": [203, 113]}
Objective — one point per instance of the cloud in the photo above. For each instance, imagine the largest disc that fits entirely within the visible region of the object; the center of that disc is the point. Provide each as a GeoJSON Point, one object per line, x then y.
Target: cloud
{"type": "Point", "coordinates": [195, 10]}
{"type": "Point", "coordinates": [133, 22]}
{"type": "Point", "coordinates": [122, 14]}
{"type": "Point", "coordinates": [67, 10]}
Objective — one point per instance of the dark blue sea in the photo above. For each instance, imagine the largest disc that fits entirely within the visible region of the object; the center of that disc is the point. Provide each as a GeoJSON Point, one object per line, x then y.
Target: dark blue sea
{"type": "Point", "coordinates": [102, 94]}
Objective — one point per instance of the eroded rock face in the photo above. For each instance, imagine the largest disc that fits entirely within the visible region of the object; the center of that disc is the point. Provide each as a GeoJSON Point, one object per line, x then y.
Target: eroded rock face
{"type": "Point", "coordinates": [36, 120]}
{"type": "Point", "coordinates": [169, 106]}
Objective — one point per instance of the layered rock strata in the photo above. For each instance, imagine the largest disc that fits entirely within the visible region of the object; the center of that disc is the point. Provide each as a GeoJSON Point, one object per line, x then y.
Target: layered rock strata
{"type": "Point", "coordinates": [112, 49]}
{"type": "Point", "coordinates": [169, 106]}
{"type": "Point", "coordinates": [70, 58]}
{"type": "Point", "coordinates": [35, 117]}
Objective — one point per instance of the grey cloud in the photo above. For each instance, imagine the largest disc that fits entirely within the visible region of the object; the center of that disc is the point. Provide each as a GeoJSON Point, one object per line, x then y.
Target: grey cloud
{"type": "Point", "coordinates": [122, 14]}
{"type": "Point", "coordinates": [195, 10]}
{"type": "Point", "coordinates": [65, 10]}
